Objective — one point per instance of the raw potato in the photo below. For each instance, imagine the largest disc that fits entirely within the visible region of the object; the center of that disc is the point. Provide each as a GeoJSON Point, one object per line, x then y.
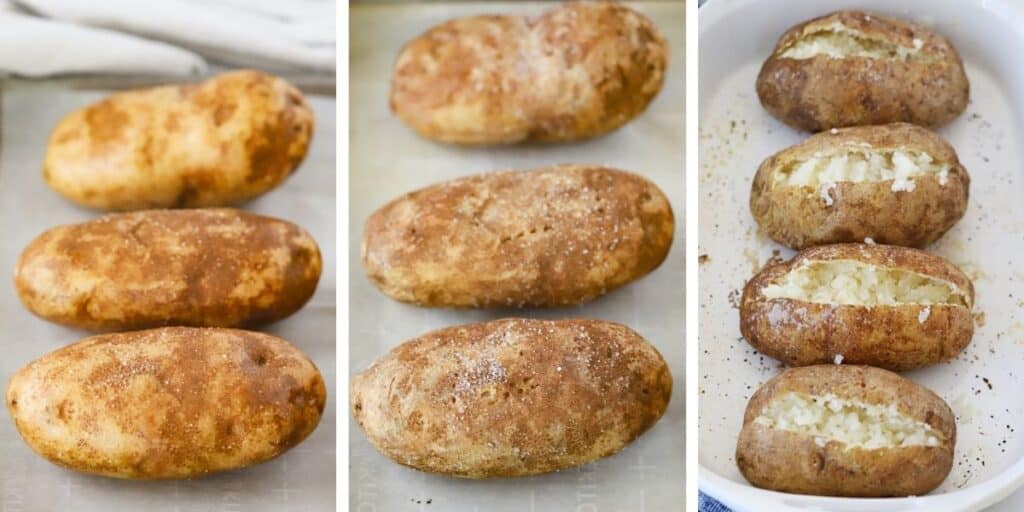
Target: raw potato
{"type": "Point", "coordinates": [554, 236]}
{"type": "Point", "coordinates": [512, 397]}
{"type": "Point", "coordinates": [577, 71]}
{"type": "Point", "coordinates": [174, 402]}
{"type": "Point", "coordinates": [897, 184]}
{"type": "Point", "coordinates": [206, 267]}
{"type": "Point", "coordinates": [886, 306]}
{"type": "Point", "coordinates": [854, 68]}
{"type": "Point", "coordinates": [846, 431]}
{"type": "Point", "coordinates": [218, 143]}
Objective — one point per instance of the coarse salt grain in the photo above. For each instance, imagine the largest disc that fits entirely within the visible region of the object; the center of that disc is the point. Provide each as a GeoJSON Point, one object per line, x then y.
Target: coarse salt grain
{"type": "Point", "coordinates": [924, 314]}
{"type": "Point", "coordinates": [826, 193]}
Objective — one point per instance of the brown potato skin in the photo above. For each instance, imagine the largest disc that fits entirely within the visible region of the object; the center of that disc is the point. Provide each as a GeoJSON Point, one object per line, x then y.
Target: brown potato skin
{"type": "Point", "coordinates": [174, 402]}
{"type": "Point", "coordinates": [550, 237]}
{"type": "Point", "coordinates": [219, 143]}
{"type": "Point", "coordinates": [793, 462]}
{"type": "Point", "coordinates": [801, 333]}
{"type": "Point", "coordinates": [798, 217]}
{"type": "Point", "coordinates": [577, 71]}
{"type": "Point", "coordinates": [511, 397]}
{"type": "Point", "coordinates": [205, 267]}
{"type": "Point", "coordinates": [820, 93]}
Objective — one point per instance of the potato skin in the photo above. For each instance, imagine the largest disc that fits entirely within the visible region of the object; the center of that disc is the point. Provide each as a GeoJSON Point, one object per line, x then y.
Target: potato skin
{"type": "Point", "coordinates": [820, 92]}
{"type": "Point", "coordinates": [218, 143]}
{"type": "Point", "coordinates": [511, 397]}
{"type": "Point", "coordinates": [206, 267]}
{"type": "Point", "coordinates": [174, 402]}
{"type": "Point", "coordinates": [793, 462]}
{"type": "Point", "coordinates": [575, 72]}
{"type": "Point", "coordinates": [549, 237]}
{"type": "Point", "coordinates": [798, 217]}
{"type": "Point", "coordinates": [801, 333]}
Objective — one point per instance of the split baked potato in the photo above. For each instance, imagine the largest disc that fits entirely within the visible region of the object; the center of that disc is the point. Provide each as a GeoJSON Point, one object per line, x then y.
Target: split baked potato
{"type": "Point", "coordinates": [855, 68]}
{"type": "Point", "coordinates": [896, 184]}
{"type": "Point", "coordinates": [842, 430]}
{"type": "Point", "coordinates": [887, 306]}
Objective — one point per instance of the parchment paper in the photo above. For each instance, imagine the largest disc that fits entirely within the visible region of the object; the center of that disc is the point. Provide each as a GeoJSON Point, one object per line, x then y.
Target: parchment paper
{"type": "Point", "coordinates": [388, 159]}
{"type": "Point", "coordinates": [300, 480]}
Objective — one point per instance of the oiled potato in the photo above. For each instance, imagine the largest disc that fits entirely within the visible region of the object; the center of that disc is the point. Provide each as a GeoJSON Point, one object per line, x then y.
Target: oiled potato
{"type": "Point", "coordinates": [553, 236]}
{"type": "Point", "coordinates": [218, 143]}
{"type": "Point", "coordinates": [886, 306]}
{"type": "Point", "coordinates": [897, 184]}
{"type": "Point", "coordinates": [206, 267]}
{"type": "Point", "coordinates": [577, 71]}
{"type": "Point", "coordinates": [511, 397]}
{"type": "Point", "coordinates": [855, 68]}
{"type": "Point", "coordinates": [174, 402]}
{"type": "Point", "coordinates": [840, 430]}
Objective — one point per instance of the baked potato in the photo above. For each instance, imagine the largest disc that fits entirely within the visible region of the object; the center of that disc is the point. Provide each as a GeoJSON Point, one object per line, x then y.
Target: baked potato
{"type": "Point", "coordinates": [554, 236]}
{"type": "Point", "coordinates": [576, 71]}
{"type": "Point", "coordinates": [174, 402]}
{"type": "Point", "coordinates": [896, 184]}
{"type": "Point", "coordinates": [887, 306]}
{"type": "Point", "coordinates": [856, 68]}
{"type": "Point", "coordinates": [205, 267]}
{"type": "Point", "coordinates": [511, 397]}
{"type": "Point", "coordinates": [218, 143]}
{"type": "Point", "coordinates": [841, 430]}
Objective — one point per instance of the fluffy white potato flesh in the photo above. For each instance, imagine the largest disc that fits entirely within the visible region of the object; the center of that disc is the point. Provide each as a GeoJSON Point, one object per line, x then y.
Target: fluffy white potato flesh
{"type": "Point", "coordinates": [837, 41]}
{"type": "Point", "coordinates": [856, 424]}
{"type": "Point", "coordinates": [849, 282]}
{"type": "Point", "coordinates": [859, 164]}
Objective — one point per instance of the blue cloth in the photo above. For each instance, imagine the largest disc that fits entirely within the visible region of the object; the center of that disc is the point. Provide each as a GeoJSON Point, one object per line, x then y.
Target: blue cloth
{"type": "Point", "coordinates": [706, 503]}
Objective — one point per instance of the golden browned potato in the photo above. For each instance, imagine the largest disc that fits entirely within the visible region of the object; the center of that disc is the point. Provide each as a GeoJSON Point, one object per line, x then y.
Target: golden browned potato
{"type": "Point", "coordinates": [206, 267]}
{"type": "Point", "coordinates": [511, 397]}
{"type": "Point", "coordinates": [218, 143]}
{"type": "Point", "coordinates": [886, 306]}
{"type": "Point", "coordinates": [577, 71]}
{"type": "Point", "coordinates": [174, 402]}
{"type": "Point", "coordinates": [897, 184]}
{"type": "Point", "coordinates": [846, 431]}
{"type": "Point", "coordinates": [855, 68]}
{"type": "Point", "coordinates": [554, 236]}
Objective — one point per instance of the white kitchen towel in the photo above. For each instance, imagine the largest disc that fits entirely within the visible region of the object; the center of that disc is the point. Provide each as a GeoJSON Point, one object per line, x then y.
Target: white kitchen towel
{"type": "Point", "coordinates": [291, 34]}
{"type": "Point", "coordinates": [35, 47]}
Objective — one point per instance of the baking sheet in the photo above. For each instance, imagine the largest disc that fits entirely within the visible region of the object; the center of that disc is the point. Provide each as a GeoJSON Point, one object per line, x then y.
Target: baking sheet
{"type": "Point", "coordinates": [387, 160]}
{"type": "Point", "coordinates": [303, 479]}
{"type": "Point", "coordinates": [982, 385]}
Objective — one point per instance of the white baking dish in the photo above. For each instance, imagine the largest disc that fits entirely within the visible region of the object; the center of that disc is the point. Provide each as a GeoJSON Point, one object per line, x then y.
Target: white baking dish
{"type": "Point", "coordinates": [984, 384]}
